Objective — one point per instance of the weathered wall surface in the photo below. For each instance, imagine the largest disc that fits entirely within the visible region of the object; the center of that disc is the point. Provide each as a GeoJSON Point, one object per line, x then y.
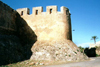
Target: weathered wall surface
{"type": "Point", "coordinates": [98, 50]}
{"type": "Point", "coordinates": [54, 37]}
{"type": "Point", "coordinates": [12, 23]}
{"type": "Point", "coordinates": [53, 30]}
{"type": "Point", "coordinates": [16, 37]}
{"type": "Point", "coordinates": [49, 25]}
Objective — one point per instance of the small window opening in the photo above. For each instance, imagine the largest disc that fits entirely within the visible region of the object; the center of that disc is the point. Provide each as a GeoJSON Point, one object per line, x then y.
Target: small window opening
{"type": "Point", "coordinates": [36, 12]}
{"type": "Point", "coordinates": [21, 13]}
{"type": "Point", "coordinates": [28, 13]}
{"type": "Point", "coordinates": [50, 11]}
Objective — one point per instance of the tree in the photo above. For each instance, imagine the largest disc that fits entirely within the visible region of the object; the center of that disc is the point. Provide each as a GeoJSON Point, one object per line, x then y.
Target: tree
{"type": "Point", "coordinates": [94, 38]}
{"type": "Point", "coordinates": [81, 49]}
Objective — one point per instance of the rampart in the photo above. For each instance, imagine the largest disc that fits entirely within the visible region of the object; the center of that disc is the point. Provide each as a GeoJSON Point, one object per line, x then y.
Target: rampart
{"type": "Point", "coordinates": [39, 10]}
{"type": "Point", "coordinates": [53, 30]}
{"type": "Point", "coordinates": [49, 25]}
{"type": "Point", "coordinates": [16, 37]}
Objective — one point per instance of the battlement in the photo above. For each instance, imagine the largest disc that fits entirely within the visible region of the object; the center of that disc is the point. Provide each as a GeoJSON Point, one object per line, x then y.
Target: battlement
{"type": "Point", "coordinates": [39, 10]}
{"type": "Point", "coordinates": [48, 23]}
{"type": "Point", "coordinates": [23, 11]}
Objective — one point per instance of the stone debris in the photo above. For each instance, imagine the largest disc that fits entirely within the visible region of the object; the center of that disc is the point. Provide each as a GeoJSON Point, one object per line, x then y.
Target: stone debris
{"type": "Point", "coordinates": [56, 52]}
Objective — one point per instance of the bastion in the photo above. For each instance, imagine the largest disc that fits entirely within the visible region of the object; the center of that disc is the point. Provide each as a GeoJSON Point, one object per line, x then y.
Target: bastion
{"type": "Point", "coordinates": [16, 37]}
{"type": "Point", "coordinates": [53, 31]}
{"type": "Point", "coordinates": [49, 25]}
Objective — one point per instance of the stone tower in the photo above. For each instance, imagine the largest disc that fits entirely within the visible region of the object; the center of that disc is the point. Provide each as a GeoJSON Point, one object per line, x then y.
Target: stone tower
{"type": "Point", "coordinates": [54, 36]}
{"type": "Point", "coordinates": [49, 25]}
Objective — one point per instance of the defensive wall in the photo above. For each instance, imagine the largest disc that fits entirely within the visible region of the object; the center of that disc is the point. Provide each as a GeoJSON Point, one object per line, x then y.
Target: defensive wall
{"type": "Point", "coordinates": [16, 37]}
{"type": "Point", "coordinates": [53, 30]}
{"type": "Point", "coordinates": [53, 35]}
{"type": "Point", "coordinates": [49, 25]}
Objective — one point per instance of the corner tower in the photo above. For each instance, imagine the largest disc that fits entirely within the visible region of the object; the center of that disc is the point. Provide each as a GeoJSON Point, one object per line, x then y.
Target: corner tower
{"type": "Point", "coordinates": [49, 24]}
{"type": "Point", "coordinates": [67, 19]}
{"type": "Point", "coordinates": [54, 36]}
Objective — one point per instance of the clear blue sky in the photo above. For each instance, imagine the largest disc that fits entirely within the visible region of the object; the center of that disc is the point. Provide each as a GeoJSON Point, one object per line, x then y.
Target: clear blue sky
{"type": "Point", "coordinates": [85, 16]}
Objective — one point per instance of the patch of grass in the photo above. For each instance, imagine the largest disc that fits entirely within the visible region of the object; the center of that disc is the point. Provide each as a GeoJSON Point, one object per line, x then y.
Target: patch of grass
{"type": "Point", "coordinates": [97, 55]}
{"type": "Point", "coordinates": [69, 55]}
{"type": "Point", "coordinates": [36, 50]}
{"type": "Point", "coordinates": [59, 48]}
{"type": "Point", "coordinates": [77, 50]}
{"type": "Point", "coordinates": [65, 54]}
{"type": "Point", "coordinates": [56, 54]}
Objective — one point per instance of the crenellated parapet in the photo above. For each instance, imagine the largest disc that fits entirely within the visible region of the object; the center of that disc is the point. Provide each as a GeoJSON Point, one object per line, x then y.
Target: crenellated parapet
{"type": "Point", "coordinates": [39, 10]}
{"type": "Point", "coordinates": [50, 30]}
{"type": "Point", "coordinates": [51, 23]}
{"type": "Point", "coordinates": [23, 11]}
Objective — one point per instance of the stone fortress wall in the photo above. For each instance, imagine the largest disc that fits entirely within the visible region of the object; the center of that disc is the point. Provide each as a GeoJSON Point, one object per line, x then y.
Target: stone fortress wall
{"type": "Point", "coordinates": [49, 25]}
{"type": "Point", "coordinates": [54, 36]}
{"type": "Point", "coordinates": [16, 37]}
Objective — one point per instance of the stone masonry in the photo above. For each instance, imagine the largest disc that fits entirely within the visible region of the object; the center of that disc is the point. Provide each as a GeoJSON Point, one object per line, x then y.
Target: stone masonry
{"type": "Point", "coordinates": [16, 37]}
{"type": "Point", "coordinates": [54, 36]}
{"type": "Point", "coordinates": [49, 25]}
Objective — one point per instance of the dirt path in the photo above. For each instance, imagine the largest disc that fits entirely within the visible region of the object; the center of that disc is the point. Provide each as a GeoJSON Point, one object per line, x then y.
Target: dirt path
{"type": "Point", "coordinates": [94, 62]}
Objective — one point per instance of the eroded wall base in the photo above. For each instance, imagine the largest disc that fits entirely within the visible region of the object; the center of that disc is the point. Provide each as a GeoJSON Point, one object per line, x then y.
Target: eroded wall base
{"type": "Point", "coordinates": [64, 50]}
